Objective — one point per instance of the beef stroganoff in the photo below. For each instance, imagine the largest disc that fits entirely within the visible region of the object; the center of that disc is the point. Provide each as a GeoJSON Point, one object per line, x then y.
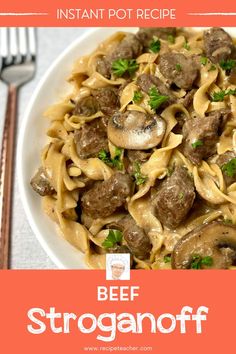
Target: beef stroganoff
{"type": "Point", "coordinates": [141, 156]}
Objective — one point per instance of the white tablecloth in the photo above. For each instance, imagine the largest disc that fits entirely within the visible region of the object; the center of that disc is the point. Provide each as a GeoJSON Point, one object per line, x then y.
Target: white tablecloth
{"type": "Point", "coordinates": [26, 252]}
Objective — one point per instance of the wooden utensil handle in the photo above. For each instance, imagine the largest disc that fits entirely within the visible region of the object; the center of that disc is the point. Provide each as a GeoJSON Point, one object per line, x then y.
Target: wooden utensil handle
{"type": "Point", "coordinates": [6, 176]}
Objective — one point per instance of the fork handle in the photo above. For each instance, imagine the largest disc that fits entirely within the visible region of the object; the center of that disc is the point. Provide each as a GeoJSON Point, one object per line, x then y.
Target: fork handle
{"type": "Point", "coordinates": [6, 175]}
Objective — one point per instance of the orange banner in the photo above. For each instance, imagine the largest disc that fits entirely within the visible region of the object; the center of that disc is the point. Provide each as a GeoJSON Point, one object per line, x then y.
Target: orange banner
{"type": "Point", "coordinates": [117, 13]}
{"type": "Point", "coordinates": [79, 311]}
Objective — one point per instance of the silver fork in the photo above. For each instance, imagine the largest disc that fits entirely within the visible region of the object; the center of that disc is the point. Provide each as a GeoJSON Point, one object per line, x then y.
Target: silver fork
{"type": "Point", "coordinates": [17, 65]}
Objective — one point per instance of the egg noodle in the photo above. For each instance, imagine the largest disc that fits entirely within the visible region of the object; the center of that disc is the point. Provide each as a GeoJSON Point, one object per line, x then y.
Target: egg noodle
{"type": "Point", "coordinates": [68, 171]}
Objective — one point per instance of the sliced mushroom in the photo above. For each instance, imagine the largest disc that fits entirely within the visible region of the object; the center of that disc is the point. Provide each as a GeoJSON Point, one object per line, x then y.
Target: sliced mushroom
{"type": "Point", "coordinates": [136, 130]}
{"type": "Point", "coordinates": [216, 241]}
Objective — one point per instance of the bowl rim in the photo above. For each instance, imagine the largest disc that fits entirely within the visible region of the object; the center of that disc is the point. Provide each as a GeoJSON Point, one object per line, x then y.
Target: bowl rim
{"type": "Point", "coordinates": [20, 149]}
{"type": "Point", "coordinates": [52, 254]}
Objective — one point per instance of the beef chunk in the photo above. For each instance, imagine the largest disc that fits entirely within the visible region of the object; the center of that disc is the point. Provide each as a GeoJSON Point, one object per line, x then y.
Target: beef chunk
{"type": "Point", "coordinates": [232, 76]}
{"type": "Point", "coordinates": [87, 106]}
{"type": "Point", "coordinates": [188, 99]}
{"type": "Point", "coordinates": [104, 99]}
{"type": "Point", "coordinates": [222, 160]}
{"type": "Point", "coordinates": [218, 44]}
{"type": "Point", "coordinates": [137, 240]}
{"type": "Point", "coordinates": [146, 81]}
{"type": "Point", "coordinates": [146, 34]}
{"type": "Point", "coordinates": [181, 119]}
{"type": "Point", "coordinates": [129, 48]}
{"type": "Point", "coordinates": [104, 67]}
{"type": "Point", "coordinates": [175, 198]}
{"type": "Point", "coordinates": [136, 156]}
{"type": "Point", "coordinates": [41, 183]}
{"type": "Point", "coordinates": [108, 99]}
{"type": "Point", "coordinates": [178, 69]}
{"type": "Point", "coordinates": [200, 136]}
{"type": "Point", "coordinates": [91, 138]}
{"type": "Point", "coordinates": [223, 115]}
{"type": "Point", "coordinates": [105, 197]}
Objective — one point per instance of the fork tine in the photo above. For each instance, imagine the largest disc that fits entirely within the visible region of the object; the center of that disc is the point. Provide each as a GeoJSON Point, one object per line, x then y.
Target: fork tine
{"type": "Point", "coordinates": [14, 45]}
{"type": "Point", "coordinates": [13, 41]}
{"type": "Point", "coordinates": [31, 42]}
{"type": "Point", "coordinates": [4, 44]}
{"type": "Point", "coordinates": [22, 41]}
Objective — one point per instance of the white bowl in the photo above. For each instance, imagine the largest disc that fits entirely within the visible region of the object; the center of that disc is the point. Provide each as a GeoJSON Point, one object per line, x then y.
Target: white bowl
{"type": "Point", "coordinates": [32, 139]}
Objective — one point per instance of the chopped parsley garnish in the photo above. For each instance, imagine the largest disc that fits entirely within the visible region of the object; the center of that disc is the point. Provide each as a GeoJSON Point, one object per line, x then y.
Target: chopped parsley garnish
{"type": "Point", "coordinates": [115, 162]}
{"type": "Point", "coordinates": [171, 39]}
{"type": "Point", "coordinates": [155, 45]}
{"type": "Point", "coordinates": [181, 195]}
{"type": "Point", "coordinates": [197, 143]}
{"type": "Point", "coordinates": [156, 99]}
{"type": "Point", "coordinates": [198, 262]}
{"type": "Point", "coordinates": [170, 170]}
{"type": "Point", "coordinates": [178, 67]}
{"type": "Point", "coordinates": [204, 60]}
{"type": "Point", "coordinates": [212, 68]}
{"type": "Point", "coordinates": [207, 261]}
{"type": "Point", "coordinates": [219, 96]}
{"type": "Point", "coordinates": [228, 221]}
{"type": "Point", "coordinates": [228, 65]}
{"type": "Point", "coordinates": [229, 168]}
{"type": "Point", "coordinates": [104, 156]}
{"type": "Point", "coordinates": [167, 259]}
{"type": "Point", "coordinates": [123, 66]}
{"type": "Point", "coordinates": [186, 45]}
{"type": "Point", "coordinates": [137, 96]}
{"type": "Point", "coordinates": [114, 237]}
{"type": "Point", "coordinates": [139, 178]}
